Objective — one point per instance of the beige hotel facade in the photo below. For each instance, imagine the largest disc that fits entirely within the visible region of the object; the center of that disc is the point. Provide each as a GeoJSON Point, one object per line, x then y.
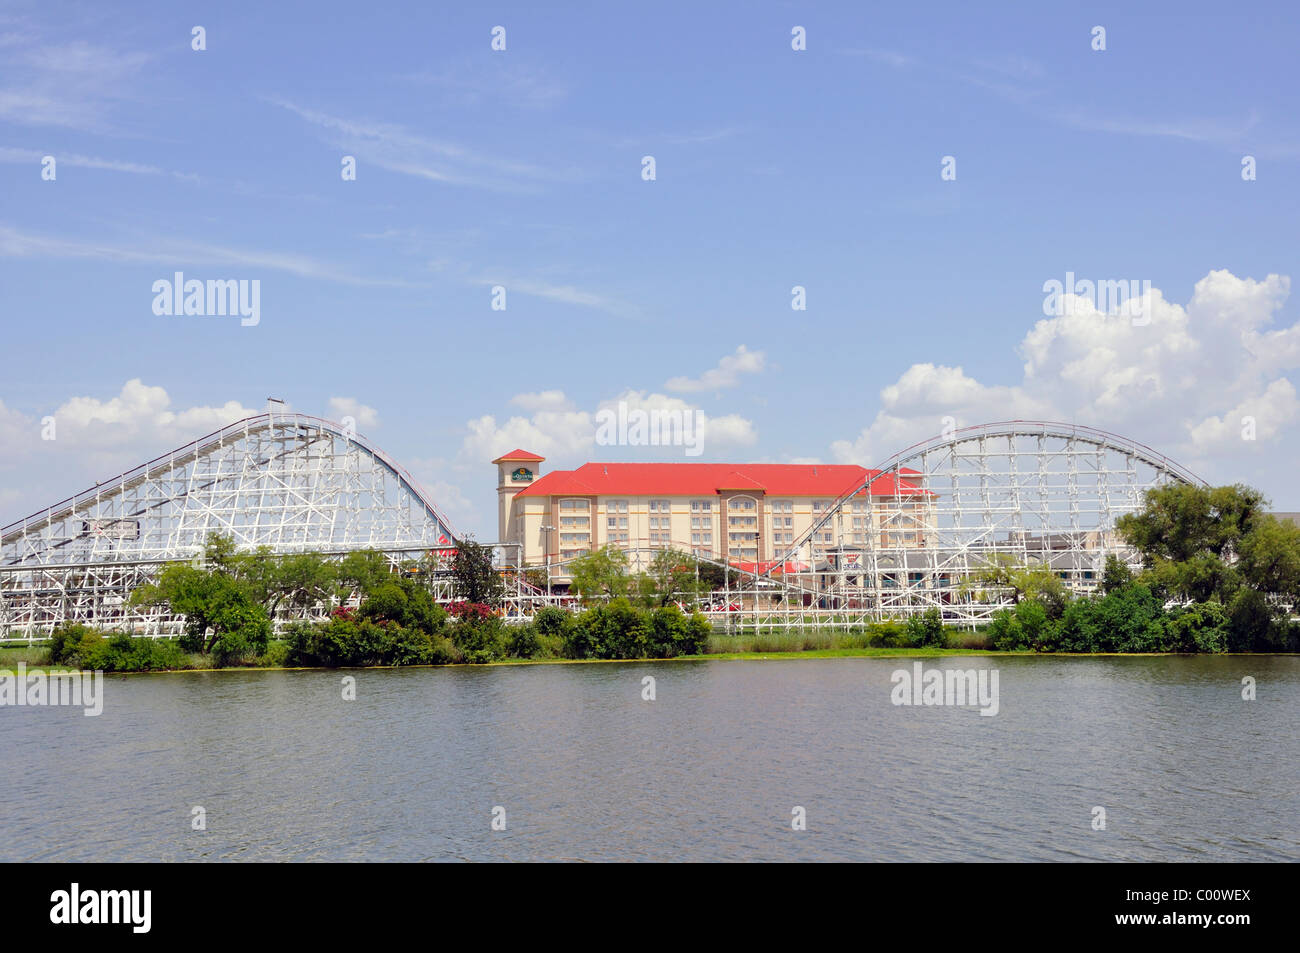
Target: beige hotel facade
{"type": "Point", "coordinates": [744, 514]}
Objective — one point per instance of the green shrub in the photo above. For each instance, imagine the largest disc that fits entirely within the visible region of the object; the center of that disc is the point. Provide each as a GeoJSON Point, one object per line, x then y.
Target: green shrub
{"type": "Point", "coordinates": [667, 632]}
{"type": "Point", "coordinates": [552, 621]}
{"type": "Point", "coordinates": [79, 646]}
{"type": "Point", "coordinates": [890, 634]}
{"type": "Point", "coordinates": [926, 630]}
{"type": "Point", "coordinates": [71, 643]}
{"type": "Point", "coordinates": [615, 630]}
{"type": "Point", "coordinates": [1020, 628]}
{"type": "Point", "coordinates": [1202, 627]}
{"type": "Point", "coordinates": [524, 641]}
{"type": "Point", "coordinates": [277, 654]}
{"type": "Point", "coordinates": [480, 640]}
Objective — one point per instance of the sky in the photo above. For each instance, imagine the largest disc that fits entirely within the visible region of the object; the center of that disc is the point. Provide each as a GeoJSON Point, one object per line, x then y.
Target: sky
{"type": "Point", "coordinates": [922, 171]}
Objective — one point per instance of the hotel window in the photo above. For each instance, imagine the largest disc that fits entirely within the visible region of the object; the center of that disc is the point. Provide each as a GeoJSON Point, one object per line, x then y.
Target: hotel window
{"type": "Point", "coordinates": [860, 506]}
{"type": "Point", "coordinates": [660, 506]}
{"type": "Point", "coordinates": [616, 506]}
{"type": "Point", "coordinates": [573, 538]}
{"type": "Point", "coordinates": [657, 522]}
{"type": "Point", "coordinates": [616, 522]}
{"type": "Point", "coordinates": [742, 522]}
{"type": "Point", "coordinates": [701, 506]}
{"type": "Point", "coordinates": [740, 503]}
{"type": "Point", "coordinates": [861, 522]}
{"type": "Point", "coordinates": [744, 552]}
{"type": "Point", "coordinates": [616, 537]}
{"type": "Point", "coordinates": [660, 539]}
{"type": "Point", "coordinates": [782, 506]}
{"type": "Point", "coordinates": [701, 538]}
{"type": "Point", "coordinates": [571, 553]}
{"type": "Point", "coordinates": [573, 521]}
{"type": "Point", "coordinates": [821, 506]}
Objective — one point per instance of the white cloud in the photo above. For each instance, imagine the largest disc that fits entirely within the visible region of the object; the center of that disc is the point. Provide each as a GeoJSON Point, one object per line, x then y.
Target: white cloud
{"type": "Point", "coordinates": [566, 436]}
{"type": "Point", "coordinates": [1181, 382]}
{"type": "Point", "coordinates": [366, 418]}
{"type": "Point", "coordinates": [543, 400]}
{"type": "Point", "coordinates": [94, 439]}
{"type": "Point", "coordinates": [726, 374]}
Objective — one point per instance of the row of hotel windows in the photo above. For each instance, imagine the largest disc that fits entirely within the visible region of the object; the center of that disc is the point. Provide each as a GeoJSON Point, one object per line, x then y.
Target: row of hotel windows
{"type": "Point", "coordinates": [702, 542]}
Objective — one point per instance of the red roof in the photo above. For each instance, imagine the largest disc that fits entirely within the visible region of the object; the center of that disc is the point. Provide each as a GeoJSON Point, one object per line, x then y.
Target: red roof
{"type": "Point", "coordinates": [519, 455]}
{"type": "Point", "coordinates": [703, 479]}
{"type": "Point", "coordinates": [787, 567]}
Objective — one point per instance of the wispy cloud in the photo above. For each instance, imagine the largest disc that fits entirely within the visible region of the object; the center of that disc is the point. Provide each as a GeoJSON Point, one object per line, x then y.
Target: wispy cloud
{"type": "Point", "coordinates": [563, 293]}
{"type": "Point", "coordinates": [393, 147]}
{"type": "Point", "coordinates": [472, 83]}
{"type": "Point", "coordinates": [1021, 80]}
{"type": "Point", "coordinates": [169, 253]}
{"type": "Point", "coordinates": [887, 57]}
{"type": "Point", "coordinates": [8, 154]}
{"type": "Point", "coordinates": [71, 85]}
{"type": "Point", "coordinates": [1217, 131]}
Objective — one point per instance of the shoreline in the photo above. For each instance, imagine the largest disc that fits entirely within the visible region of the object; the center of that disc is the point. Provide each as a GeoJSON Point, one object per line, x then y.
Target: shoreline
{"type": "Point", "coordinates": [822, 654]}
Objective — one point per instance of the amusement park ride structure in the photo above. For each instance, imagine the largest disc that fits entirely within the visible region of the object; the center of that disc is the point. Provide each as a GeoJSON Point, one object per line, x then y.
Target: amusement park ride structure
{"type": "Point", "coordinates": [1023, 493]}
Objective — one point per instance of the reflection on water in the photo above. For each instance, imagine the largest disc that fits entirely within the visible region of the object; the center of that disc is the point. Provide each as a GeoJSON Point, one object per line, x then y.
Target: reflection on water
{"type": "Point", "coordinates": [711, 770]}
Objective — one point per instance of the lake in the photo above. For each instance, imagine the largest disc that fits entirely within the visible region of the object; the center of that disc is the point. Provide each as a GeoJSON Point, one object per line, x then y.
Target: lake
{"type": "Point", "coordinates": [712, 769]}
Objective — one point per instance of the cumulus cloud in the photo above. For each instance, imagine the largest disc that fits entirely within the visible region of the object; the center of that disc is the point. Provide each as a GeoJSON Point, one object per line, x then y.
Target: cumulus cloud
{"type": "Point", "coordinates": [726, 374]}
{"type": "Point", "coordinates": [366, 418]}
{"type": "Point", "coordinates": [96, 438]}
{"type": "Point", "coordinates": [1181, 377]}
{"type": "Point", "coordinates": [566, 435]}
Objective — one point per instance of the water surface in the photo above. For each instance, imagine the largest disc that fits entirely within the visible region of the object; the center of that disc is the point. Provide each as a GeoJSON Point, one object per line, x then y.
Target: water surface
{"type": "Point", "coordinates": [586, 770]}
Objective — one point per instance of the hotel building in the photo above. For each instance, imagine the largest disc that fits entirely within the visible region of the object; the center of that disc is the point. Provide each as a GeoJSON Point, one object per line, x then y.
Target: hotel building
{"type": "Point", "coordinates": [745, 514]}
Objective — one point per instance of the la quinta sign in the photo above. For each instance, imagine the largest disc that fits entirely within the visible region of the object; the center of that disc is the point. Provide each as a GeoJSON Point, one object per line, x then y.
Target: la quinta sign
{"type": "Point", "coordinates": [521, 475]}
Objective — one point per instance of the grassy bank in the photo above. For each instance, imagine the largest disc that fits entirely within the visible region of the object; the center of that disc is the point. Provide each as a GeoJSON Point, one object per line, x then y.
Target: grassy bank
{"type": "Point", "coordinates": [884, 637]}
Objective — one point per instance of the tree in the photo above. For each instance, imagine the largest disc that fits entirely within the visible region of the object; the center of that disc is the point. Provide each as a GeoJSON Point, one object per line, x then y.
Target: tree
{"type": "Point", "coordinates": [600, 573]}
{"type": "Point", "coordinates": [296, 581]}
{"type": "Point", "coordinates": [363, 571]}
{"type": "Point", "coordinates": [474, 577]}
{"type": "Point", "coordinates": [1038, 583]}
{"type": "Point", "coordinates": [672, 574]}
{"type": "Point", "coordinates": [1116, 575]}
{"type": "Point", "coordinates": [1270, 558]}
{"type": "Point", "coordinates": [1178, 520]}
{"type": "Point", "coordinates": [1210, 543]}
{"type": "Point", "coordinates": [221, 614]}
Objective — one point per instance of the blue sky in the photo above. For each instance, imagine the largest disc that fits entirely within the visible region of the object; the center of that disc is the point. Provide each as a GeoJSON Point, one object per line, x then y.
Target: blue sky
{"type": "Point", "coordinates": [522, 168]}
